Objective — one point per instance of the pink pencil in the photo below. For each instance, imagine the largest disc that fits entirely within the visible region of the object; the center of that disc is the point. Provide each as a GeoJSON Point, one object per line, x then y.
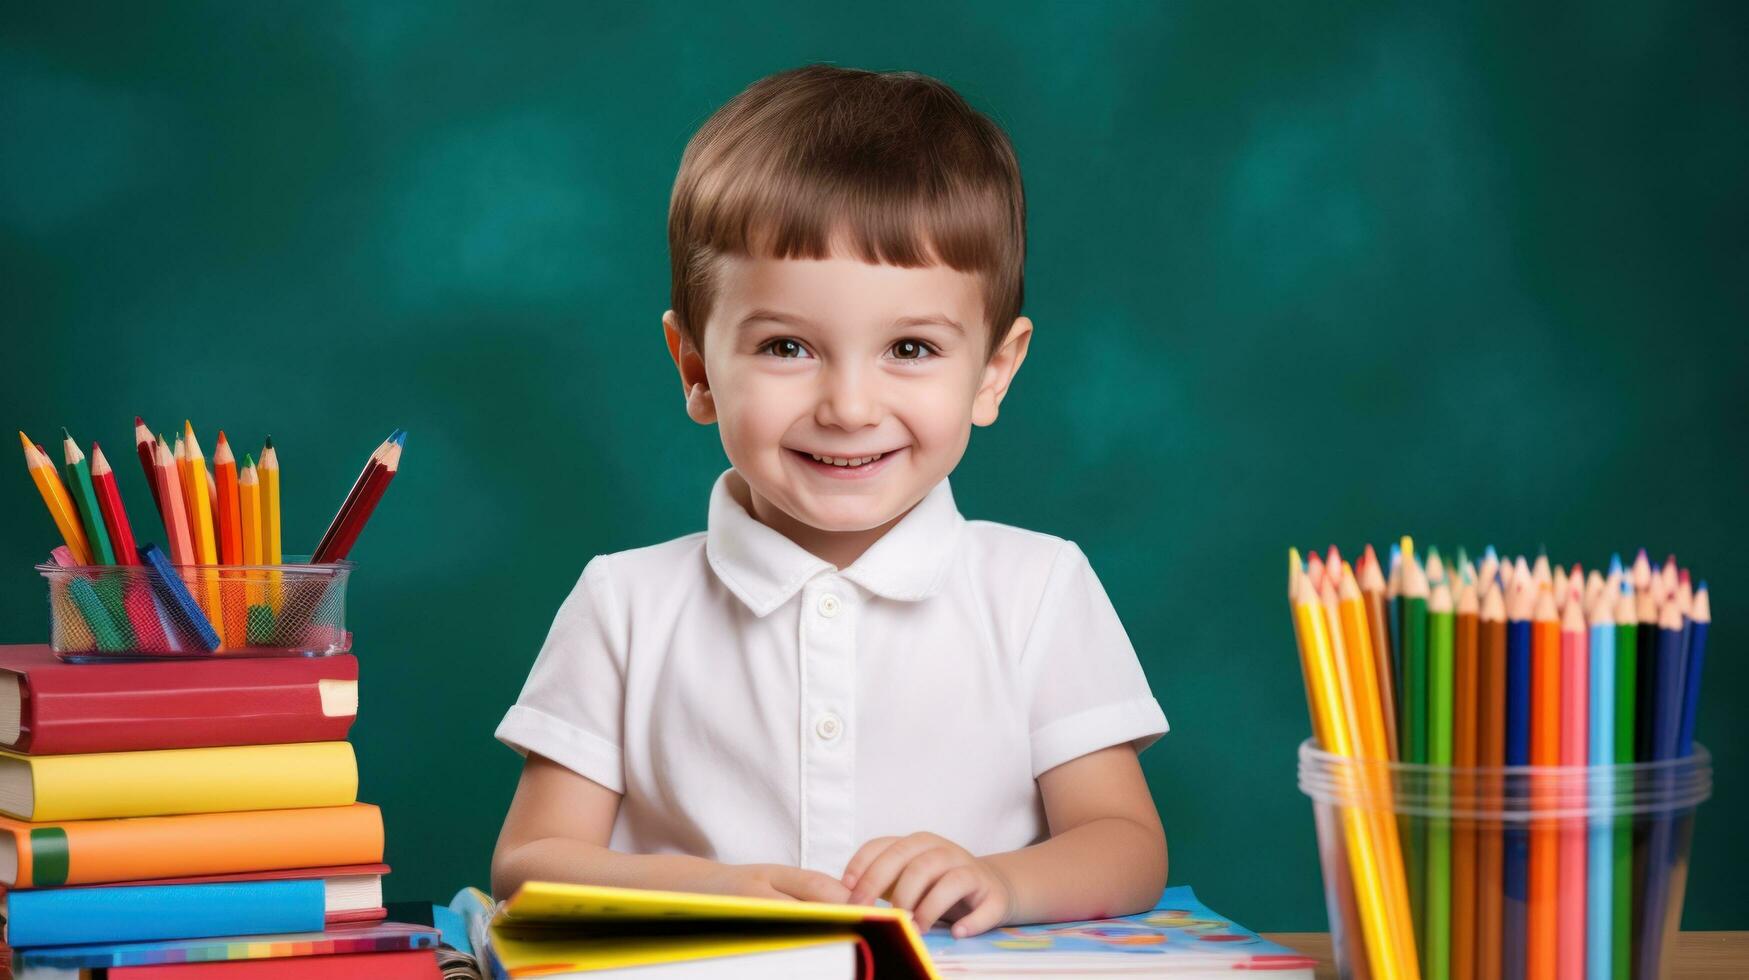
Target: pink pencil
{"type": "Point", "coordinates": [1570, 902]}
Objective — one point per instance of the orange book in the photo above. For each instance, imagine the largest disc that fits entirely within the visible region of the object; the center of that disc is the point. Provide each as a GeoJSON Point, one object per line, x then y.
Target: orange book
{"type": "Point", "coordinates": [86, 852]}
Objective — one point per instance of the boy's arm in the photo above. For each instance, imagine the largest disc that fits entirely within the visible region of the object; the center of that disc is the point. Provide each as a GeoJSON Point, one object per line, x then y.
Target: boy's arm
{"type": "Point", "coordinates": [1106, 856]}
{"type": "Point", "coordinates": [558, 828]}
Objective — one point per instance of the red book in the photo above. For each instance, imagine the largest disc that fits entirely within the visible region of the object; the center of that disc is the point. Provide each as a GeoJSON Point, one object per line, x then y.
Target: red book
{"type": "Point", "coordinates": [52, 708]}
{"type": "Point", "coordinates": [408, 964]}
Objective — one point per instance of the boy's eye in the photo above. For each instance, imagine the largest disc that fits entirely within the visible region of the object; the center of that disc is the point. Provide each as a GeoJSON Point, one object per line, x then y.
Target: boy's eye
{"type": "Point", "coordinates": [912, 350]}
{"type": "Point", "coordinates": [784, 347]}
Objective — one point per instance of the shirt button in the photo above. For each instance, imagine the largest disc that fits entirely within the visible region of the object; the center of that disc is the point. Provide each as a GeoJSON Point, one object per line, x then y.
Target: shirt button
{"type": "Point", "coordinates": [829, 605]}
{"type": "Point", "coordinates": [828, 727]}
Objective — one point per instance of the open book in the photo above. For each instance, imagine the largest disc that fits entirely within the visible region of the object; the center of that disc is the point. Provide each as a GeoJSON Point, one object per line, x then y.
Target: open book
{"type": "Point", "coordinates": [556, 930]}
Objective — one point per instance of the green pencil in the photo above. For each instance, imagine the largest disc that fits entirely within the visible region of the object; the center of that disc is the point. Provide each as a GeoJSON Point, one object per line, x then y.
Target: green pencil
{"type": "Point", "coordinates": [84, 496]}
{"type": "Point", "coordinates": [1414, 708]}
{"type": "Point", "coordinates": [1436, 964]}
{"type": "Point", "coordinates": [1622, 839]}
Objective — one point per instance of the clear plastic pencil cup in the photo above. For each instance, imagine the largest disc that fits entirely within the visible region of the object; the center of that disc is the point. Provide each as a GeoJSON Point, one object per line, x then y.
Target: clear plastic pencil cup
{"type": "Point", "coordinates": [133, 612]}
{"type": "Point", "coordinates": [1522, 872]}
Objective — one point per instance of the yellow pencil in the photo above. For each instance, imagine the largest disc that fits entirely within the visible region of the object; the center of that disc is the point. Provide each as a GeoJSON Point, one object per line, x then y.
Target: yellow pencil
{"type": "Point", "coordinates": [1330, 722]}
{"type": "Point", "coordinates": [48, 483]}
{"type": "Point", "coordinates": [200, 515]}
{"type": "Point", "coordinates": [249, 503]}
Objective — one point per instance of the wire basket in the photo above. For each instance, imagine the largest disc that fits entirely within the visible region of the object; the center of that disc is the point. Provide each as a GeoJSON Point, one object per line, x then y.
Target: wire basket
{"type": "Point", "coordinates": [111, 612]}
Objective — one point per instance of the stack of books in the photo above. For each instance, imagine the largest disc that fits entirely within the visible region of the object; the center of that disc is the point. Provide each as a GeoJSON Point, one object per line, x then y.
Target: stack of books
{"type": "Point", "coordinates": [191, 820]}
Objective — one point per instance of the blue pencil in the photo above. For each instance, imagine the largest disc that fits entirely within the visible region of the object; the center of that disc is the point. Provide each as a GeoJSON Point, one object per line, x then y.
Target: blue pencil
{"type": "Point", "coordinates": [183, 609]}
{"type": "Point", "coordinates": [1516, 875]}
{"type": "Point", "coordinates": [1700, 622]}
{"type": "Point", "coordinates": [1600, 856]}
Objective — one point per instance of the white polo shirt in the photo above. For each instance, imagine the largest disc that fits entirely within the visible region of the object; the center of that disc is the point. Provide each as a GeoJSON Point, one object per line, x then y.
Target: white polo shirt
{"type": "Point", "coordinates": [752, 703]}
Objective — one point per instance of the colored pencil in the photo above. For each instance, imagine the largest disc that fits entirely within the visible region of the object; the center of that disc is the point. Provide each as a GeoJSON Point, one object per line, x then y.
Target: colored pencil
{"type": "Point", "coordinates": [1669, 689]}
{"type": "Point", "coordinates": [1575, 735]}
{"type": "Point", "coordinates": [1545, 750]}
{"type": "Point", "coordinates": [199, 505]}
{"type": "Point", "coordinates": [1372, 588]}
{"type": "Point", "coordinates": [1515, 932]}
{"type": "Point", "coordinates": [229, 518]}
{"type": "Point", "coordinates": [1466, 704]}
{"type": "Point", "coordinates": [180, 538]}
{"type": "Point", "coordinates": [1701, 621]}
{"type": "Point", "coordinates": [1622, 839]}
{"type": "Point", "coordinates": [1414, 708]}
{"type": "Point", "coordinates": [270, 536]}
{"type": "Point", "coordinates": [1490, 755]}
{"type": "Point", "coordinates": [106, 634]}
{"type": "Point", "coordinates": [1394, 607]}
{"type": "Point", "coordinates": [1436, 961]}
{"type": "Point", "coordinates": [115, 517]}
{"type": "Point", "coordinates": [60, 507]}
{"type": "Point", "coordinates": [175, 595]}
{"type": "Point", "coordinates": [371, 465]}
{"type": "Point", "coordinates": [366, 504]}
{"type": "Point", "coordinates": [1600, 855]}
{"type": "Point", "coordinates": [1331, 726]}
{"type": "Point", "coordinates": [78, 474]}
{"type": "Point", "coordinates": [146, 448]}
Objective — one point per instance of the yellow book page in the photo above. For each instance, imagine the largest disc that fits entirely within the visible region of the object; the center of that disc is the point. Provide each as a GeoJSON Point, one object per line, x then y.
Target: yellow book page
{"type": "Point", "coordinates": [210, 780]}
{"type": "Point", "coordinates": [543, 957]}
{"type": "Point", "coordinates": [556, 902]}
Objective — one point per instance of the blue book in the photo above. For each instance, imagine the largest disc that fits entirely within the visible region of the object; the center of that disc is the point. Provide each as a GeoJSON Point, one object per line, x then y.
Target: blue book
{"type": "Point", "coordinates": [140, 913]}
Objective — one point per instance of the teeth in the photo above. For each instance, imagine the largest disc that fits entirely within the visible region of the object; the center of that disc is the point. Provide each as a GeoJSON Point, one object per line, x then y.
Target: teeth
{"type": "Point", "coordinates": [845, 460]}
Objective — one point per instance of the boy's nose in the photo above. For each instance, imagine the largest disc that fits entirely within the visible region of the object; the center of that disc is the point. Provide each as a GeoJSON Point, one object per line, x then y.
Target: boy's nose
{"type": "Point", "coordinates": [847, 402]}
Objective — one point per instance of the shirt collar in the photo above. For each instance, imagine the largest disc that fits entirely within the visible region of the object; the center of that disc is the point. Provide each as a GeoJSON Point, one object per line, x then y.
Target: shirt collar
{"type": "Point", "coordinates": [764, 569]}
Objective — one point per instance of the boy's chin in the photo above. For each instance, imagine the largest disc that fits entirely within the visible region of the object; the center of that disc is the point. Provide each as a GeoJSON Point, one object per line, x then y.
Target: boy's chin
{"type": "Point", "coordinates": [844, 516]}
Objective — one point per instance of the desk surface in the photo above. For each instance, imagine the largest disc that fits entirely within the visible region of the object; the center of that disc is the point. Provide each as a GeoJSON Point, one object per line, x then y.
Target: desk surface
{"type": "Point", "coordinates": [1698, 954]}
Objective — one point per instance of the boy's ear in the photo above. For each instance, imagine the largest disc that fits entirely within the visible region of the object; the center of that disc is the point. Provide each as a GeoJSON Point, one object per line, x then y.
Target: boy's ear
{"type": "Point", "coordinates": [690, 363]}
{"type": "Point", "coordinates": [999, 371]}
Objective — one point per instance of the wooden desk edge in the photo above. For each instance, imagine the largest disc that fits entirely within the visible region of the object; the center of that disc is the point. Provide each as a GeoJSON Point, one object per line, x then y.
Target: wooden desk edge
{"type": "Point", "coordinates": [1697, 954]}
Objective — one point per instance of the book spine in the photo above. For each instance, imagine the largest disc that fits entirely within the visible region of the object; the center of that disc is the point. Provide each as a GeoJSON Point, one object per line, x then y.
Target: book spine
{"type": "Point", "coordinates": [144, 784]}
{"type": "Point", "coordinates": [65, 916]}
{"type": "Point", "coordinates": [113, 710]}
{"type": "Point", "coordinates": [90, 852]}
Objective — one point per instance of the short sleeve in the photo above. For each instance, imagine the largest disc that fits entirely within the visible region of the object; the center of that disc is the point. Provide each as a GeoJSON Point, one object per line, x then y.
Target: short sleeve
{"type": "Point", "coordinates": [572, 705]}
{"type": "Point", "coordinates": [1086, 687]}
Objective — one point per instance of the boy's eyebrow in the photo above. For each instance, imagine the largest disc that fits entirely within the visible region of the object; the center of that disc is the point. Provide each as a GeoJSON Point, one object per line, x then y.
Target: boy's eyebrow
{"type": "Point", "coordinates": [802, 321]}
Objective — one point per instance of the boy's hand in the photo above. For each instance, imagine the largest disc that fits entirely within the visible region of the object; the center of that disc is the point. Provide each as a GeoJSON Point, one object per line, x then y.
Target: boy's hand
{"type": "Point", "coordinates": [934, 878]}
{"type": "Point", "coordinates": [775, 881]}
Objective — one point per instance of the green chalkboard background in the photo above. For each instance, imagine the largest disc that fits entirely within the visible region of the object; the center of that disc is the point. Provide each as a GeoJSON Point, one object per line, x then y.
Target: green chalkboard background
{"type": "Point", "coordinates": [1301, 273]}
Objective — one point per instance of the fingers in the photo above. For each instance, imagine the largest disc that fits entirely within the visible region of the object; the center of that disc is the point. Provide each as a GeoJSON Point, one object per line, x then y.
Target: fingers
{"type": "Point", "coordinates": [956, 885]}
{"type": "Point", "coordinates": [863, 857]}
{"type": "Point", "coordinates": [885, 869]}
{"type": "Point", "coordinates": [921, 874]}
{"type": "Point", "coordinates": [811, 886]}
{"type": "Point", "coordinates": [986, 914]}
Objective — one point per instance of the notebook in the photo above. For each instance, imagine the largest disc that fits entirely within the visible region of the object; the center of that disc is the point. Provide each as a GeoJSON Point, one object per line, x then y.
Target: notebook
{"type": "Point", "coordinates": [1180, 938]}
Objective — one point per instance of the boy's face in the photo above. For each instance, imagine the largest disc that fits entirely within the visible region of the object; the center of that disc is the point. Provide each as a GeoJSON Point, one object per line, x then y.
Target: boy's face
{"type": "Point", "coordinates": [844, 390]}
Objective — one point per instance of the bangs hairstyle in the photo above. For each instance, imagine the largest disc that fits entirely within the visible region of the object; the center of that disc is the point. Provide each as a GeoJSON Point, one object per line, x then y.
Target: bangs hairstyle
{"type": "Point", "coordinates": [893, 167]}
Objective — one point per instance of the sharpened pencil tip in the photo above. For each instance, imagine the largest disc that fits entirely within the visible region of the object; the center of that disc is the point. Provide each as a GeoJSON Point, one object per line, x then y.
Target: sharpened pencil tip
{"type": "Point", "coordinates": [270, 440]}
{"type": "Point", "coordinates": [401, 440]}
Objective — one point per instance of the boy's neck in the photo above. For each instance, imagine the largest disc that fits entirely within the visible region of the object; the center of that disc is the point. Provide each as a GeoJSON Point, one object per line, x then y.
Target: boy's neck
{"type": "Point", "coordinates": [840, 548]}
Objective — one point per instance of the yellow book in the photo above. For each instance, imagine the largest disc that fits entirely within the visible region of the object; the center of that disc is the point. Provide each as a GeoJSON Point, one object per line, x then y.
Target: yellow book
{"type": "Point", "coordinates": [169, 781]}
{"type": "Point", "coordinates": [551, 929]}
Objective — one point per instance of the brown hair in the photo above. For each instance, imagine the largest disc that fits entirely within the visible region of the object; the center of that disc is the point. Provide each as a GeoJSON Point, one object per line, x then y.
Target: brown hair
{"type": "Point", "coordinates": [893, 165]}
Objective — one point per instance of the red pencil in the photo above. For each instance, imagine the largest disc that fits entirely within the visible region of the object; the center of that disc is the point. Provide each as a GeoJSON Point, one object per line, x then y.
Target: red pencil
{"type": "Point", "coordinates": [176, 531]}
{"type": "Point", "coordinates": [147, 449]}
{"type": "Point", "coordinates": [341, 516]}
{"type": "Point", "coordinates": [121, 536]}
{"type": "Point", "coordinates": [343, 541]}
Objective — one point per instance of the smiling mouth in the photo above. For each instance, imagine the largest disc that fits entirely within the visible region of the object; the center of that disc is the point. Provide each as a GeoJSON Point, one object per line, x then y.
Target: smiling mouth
{"type": "Point", "coordinates": [847, 465]}
{"type": "Point", "coordinates": [845, 460]}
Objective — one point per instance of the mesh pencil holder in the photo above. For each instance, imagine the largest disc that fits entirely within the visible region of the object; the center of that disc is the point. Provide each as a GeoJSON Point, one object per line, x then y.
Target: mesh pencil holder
{"type": "Point", "coordinates": [1513, 871]}
{"type": "Point", "coordinates": [115, 612]}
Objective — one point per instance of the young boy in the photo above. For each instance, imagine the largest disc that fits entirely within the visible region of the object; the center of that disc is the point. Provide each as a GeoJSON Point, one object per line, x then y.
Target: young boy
{"type": "Point", "coordinates": [841, 690]}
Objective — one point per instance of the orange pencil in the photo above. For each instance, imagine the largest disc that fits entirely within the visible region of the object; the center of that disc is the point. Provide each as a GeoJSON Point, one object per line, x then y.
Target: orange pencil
{"type": "Point", "coordinates": [1465, 682]}
{"type": "Point", "coordinates": [1545, 750]}
{"type": "Point", "coordinates": [1490, 754]}
{"type": "Point", "coordinates": [54, 494]}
